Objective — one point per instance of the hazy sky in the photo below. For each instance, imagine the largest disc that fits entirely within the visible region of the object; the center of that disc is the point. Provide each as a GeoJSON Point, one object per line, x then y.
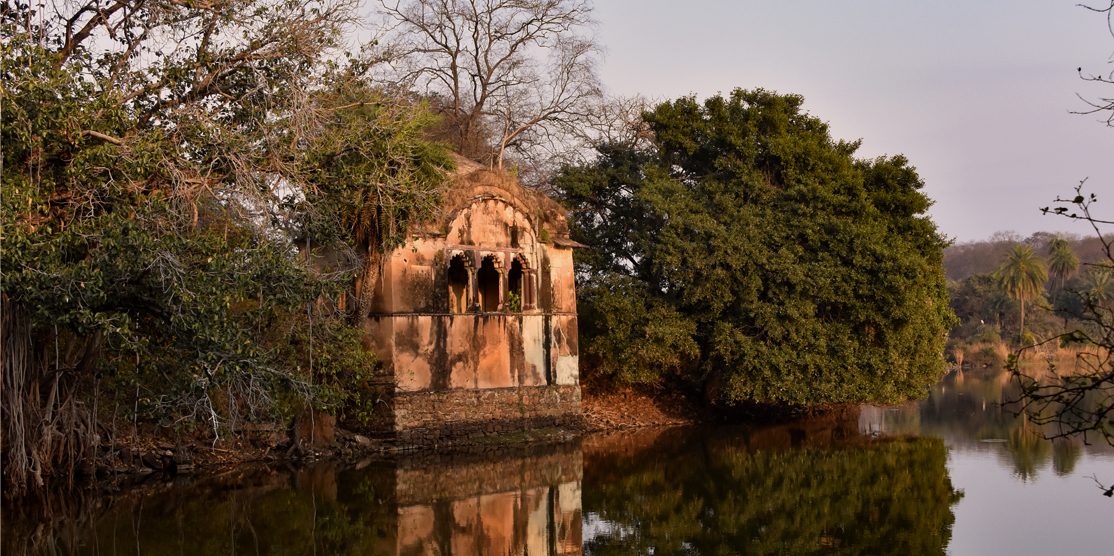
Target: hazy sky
{"type": "Point", "coordinates": [977, 94]}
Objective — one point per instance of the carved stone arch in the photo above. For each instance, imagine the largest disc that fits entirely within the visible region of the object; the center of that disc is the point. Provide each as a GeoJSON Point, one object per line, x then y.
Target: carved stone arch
{"type": "Point", "coordinates": [521, 282]}
{"type": "Point", "coordinates": [489, 283]}
{"type": "Point", "coordinates": [460, 273]}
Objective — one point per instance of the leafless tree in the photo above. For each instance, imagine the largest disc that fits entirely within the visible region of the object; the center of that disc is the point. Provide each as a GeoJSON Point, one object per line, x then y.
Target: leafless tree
{"type": "Point", "coordinates": [519, 74]}
{"type": "Point", "coordinates": [617, 120]}
{"type": "Point", "coordinates": [1080, 402]}
{"type": "Point", "coordinates": [1102, 104]}
{"type": "Point", "coordinates": [610, 121]}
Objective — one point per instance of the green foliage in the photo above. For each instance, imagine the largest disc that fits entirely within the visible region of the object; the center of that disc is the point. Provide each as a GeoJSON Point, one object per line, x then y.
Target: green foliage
{"type": "Point", "coordinates": [987, 334]}
{"type": "Point", "coordinates": [1026, 338]}
{"type": "Point", "coordinates": [978, 302]}
{"type": "Point", "coordinates": [100, 246]}
{"type": "Point", "coordinates": [750, 253]}
{"type": "Point", "coordinates": [987, 356]}
{"type": "Point", "coordinates": [1098, 284]}
{"type": "Point", "coordinates": [514, 302]}
{"type": "Point", "coordinates": [1062, 262]}
{"type": "Point", "coordinates": [154, 180]}
{"type": "Point", "coordinates": [370, 173]}
{"type": "Point", "coordinates": [635, 338]}
{"type": "Point", "coordinates": [1022, 276]}
{"type": "Point", "coordinates": [345, 377]}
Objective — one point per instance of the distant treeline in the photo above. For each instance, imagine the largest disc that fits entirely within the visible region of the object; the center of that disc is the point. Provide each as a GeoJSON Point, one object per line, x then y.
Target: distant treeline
{"type": "Point", "coordinates": [1064, 280]}
{"type": "Point", "coordinates": [963, 260]}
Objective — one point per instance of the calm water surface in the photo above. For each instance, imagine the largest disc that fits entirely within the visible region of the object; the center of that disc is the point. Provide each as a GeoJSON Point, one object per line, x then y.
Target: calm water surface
{"type": "Point", "coordinates": [954, 474]}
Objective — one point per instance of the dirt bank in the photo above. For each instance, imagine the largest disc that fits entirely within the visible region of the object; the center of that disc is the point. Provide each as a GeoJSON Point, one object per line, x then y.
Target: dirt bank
{"type": "Point", "coordinates": [632, 409]}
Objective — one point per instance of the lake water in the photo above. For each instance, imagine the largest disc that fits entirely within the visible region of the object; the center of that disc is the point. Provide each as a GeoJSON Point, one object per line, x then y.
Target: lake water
{"type": "Point", "coordinates": [955, 474]}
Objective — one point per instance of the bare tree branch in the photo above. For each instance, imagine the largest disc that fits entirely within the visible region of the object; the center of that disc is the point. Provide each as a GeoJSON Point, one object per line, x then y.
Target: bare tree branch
{"type": "Point", "coordinates": [514, 72]}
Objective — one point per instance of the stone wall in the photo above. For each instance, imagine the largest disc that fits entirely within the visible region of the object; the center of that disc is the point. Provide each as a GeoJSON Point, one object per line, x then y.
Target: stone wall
{"type": "Point", "coordinates": [430, 417]}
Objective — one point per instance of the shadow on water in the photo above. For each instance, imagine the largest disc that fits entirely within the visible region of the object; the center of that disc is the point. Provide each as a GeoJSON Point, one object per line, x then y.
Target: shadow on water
{"type": "Point", "coordinates": [816, 486]}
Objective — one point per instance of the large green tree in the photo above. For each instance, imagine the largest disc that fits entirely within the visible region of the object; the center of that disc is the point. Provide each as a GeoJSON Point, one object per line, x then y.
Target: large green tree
{"type": "Point", "coordinates": [748, 252]}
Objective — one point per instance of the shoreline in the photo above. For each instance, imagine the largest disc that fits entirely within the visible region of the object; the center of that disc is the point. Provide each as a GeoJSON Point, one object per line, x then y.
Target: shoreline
{"type": "Point", "coordinates": [136, 459]}
{"type": "Point", "coordinates": [156, 459]}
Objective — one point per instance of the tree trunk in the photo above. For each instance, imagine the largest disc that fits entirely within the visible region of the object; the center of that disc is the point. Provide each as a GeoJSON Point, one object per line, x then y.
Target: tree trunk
{"type": "Point", "coordinates": [1022, 321]}
{"type": "Point", "coordinates": [92, 354]}
{"type": "Point", "coordinates": [47, 429]}
{"type": "Point", "coordinates": [365, 294]}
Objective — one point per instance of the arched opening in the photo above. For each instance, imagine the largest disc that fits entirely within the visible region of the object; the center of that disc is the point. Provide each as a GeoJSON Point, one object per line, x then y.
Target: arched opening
{"type": "Point", "coordinates": [516, 296]}
{"type": "Point", "coordinates": [487, 285]}
{"type": "Point", "coordinates": [458, 285]}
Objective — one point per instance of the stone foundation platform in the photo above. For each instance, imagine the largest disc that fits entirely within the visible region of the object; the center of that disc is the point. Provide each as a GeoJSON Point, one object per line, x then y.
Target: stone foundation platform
{"type": "Point", "coordinates": [430, 417]}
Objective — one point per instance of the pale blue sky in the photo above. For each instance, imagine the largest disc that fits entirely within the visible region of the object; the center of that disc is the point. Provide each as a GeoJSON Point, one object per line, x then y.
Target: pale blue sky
{"type": "Point", "coordinates": [976, 94]}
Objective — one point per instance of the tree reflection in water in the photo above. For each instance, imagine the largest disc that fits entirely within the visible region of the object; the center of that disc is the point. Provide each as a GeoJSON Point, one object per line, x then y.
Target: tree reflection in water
{"type": "Point", "coordinates": [1065, 454]}
{"type": "Point", "coordinates": [972, 409]}
{"type": "Point", "coordinates": [809, 488]}
{"type": "Point", "coordinates": [1028, 451]}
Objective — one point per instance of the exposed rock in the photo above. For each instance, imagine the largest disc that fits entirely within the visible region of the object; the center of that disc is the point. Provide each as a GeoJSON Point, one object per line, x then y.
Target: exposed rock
{"type": "Point", "coordinates": [151, 460]}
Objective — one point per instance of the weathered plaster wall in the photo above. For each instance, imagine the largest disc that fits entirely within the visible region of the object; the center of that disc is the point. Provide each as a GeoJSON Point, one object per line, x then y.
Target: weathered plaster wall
{"type": "Point", "coordinates": [558, 274]}
{"type": "Point", "coordinates": [487, 350]}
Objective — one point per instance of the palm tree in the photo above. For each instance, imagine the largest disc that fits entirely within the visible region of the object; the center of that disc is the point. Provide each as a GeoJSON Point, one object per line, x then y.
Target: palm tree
{"type": "Point", "coordinates": [1022, 276]}
{"type": "Point", "coordinates": [1100, 284]}
{"type": "Point", "coordinates": [1062, 262]}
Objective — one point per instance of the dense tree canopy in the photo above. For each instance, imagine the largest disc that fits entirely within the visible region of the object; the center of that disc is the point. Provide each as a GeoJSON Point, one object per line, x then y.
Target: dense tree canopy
{"type": "Point", "coordinates": [749, 252]}
{"type": "Point", "coordinates": [159, 160]}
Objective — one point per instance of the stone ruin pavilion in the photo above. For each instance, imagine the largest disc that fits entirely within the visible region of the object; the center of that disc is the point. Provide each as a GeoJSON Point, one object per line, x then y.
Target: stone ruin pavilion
{"type": "Point", "coordinates": [474, 318]}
